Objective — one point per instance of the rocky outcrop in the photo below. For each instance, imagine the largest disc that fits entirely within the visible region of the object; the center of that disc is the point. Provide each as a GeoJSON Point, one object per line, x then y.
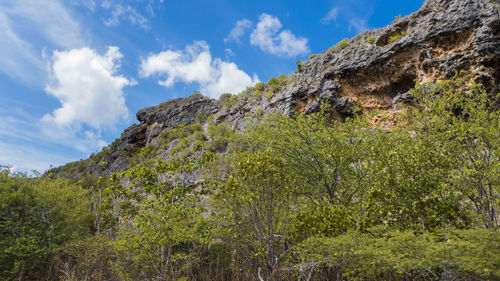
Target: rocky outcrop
{"type": "Point", "coordinates": [175, 112]}
{"type": "Point", "coordinates": [374, 70]}
{"type": "Point", "coordinates": [374, 67]}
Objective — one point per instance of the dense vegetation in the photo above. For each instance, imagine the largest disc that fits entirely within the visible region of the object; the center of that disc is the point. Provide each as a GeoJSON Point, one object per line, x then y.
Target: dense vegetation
{"type": "Point", "coordinates": [289, 198]}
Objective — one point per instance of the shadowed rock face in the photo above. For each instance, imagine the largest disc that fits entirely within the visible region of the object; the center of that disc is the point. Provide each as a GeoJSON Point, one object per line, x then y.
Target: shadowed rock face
{"type": "Point", "coordinates": [154, 120]}
{"type": "Point", "coordinates": [175, 112]}
{"type": "Point", "coordinates": [441, 37]}
{"type": "Point", "coordinates": [374, 69]}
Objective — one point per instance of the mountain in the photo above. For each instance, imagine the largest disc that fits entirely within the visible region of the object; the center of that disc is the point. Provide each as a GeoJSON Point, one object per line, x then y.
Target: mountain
{"type": "Point", "coordinates": [374, 70]}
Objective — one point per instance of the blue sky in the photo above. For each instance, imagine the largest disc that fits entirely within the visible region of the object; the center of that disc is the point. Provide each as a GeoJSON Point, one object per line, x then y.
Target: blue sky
{"type": "Point", "coordinates": [73, 73]}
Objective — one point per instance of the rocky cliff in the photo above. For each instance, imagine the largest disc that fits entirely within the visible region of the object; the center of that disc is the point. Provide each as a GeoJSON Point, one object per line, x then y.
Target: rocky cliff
{"type": "Point", "coordinates": [374, 70]}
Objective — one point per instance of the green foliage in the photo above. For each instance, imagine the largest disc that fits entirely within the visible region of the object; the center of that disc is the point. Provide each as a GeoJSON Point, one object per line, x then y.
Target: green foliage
{"type": "Point", "coordinates": [332, 153]}
{"type": "Point", "coordinates": [340, 45]}
{"type": "Point", "coordinates": [371, 39]}
{"type": "Point", "coordinates": [394, 37]}
{"type": "Point", "coordinates": [225, 96]}
{"type": "Point", "coordinates": [461, 123]}
{"type": "Point", "coordinates": [260, 86]}
{"type": "Point", "coordinates": [290, 197]}
{"type": "Point", "coordinates": [220, 136]}
{"type": "Point", "coordinates": [409, 184]}
{"type": "Point", "coordinates": [299, 65]}
{"type": "Point", "coordinates": [161, 224]}
{"type": "Point", "coordinates": [90, 258]}
{"type": "Point", "coordinates": [181, 131]}
{"type": "Point", "coordinates": [322, 220]}
{"type": "Point", "coordinates": [253, 207]}
{"type": "Point", "coordinates": [312, 56]}
{"type": "Point", "coordinates": [402, 256]}
{"type": "Point", "coordinates": [37, 216]}
{"type": "Point", "coordinates": [277, 84]}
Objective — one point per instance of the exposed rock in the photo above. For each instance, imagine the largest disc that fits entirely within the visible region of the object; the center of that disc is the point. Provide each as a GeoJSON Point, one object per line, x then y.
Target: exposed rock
{"type": "Point", "coordinates": [403, 98]}
{"type": "Point", "coordinates": [442, 37]}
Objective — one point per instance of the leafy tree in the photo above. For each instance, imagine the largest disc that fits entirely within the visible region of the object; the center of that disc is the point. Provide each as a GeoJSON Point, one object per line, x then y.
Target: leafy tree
{"type": "Point", "coordinates": [324, 157]}
{"type": "Point", "coordinates": [463, 121]}
{"type": "Point", "coordinates": [254, 209]}
{"type": "Point", "coordinates": [161, 226]}
{"type": "Point", "coordinates": [37, 215]}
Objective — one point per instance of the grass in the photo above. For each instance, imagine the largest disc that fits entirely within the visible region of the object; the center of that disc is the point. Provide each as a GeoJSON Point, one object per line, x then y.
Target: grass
{"type": "Point", "coordinates": [394, 37]}
{"type": "Point", "coordinates": [340, 45]}
{"type": "Point", "coordinates": [371, 39]}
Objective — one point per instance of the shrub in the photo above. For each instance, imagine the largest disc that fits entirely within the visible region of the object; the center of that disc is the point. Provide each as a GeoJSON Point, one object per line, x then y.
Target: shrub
{"type": "Point", "coordinates": [371, 39]}
{"type": "Point", "coordinates": [397, 255]}
{"type": "Point", "coordinates": [220, 135]}
{"type": "Point", "coordinates": [260, 86]}
{"type": "Point", "coordinates": [299, 66]}
{"type": "Point", "coordinates": [322, 219]}
{"type": "Point", "coordinates": [225, 96]}
{"type": "Point", "coordinates": [394, 37]}
{"type": "Point", "coordinates": [342, 44]}
{"type": "Point", "coordinates": [275, 85]}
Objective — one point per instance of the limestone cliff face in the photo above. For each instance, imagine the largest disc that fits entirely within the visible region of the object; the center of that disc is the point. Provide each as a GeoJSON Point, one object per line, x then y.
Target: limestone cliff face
{"type": "Point", "coordinates": [374, 69]}
{"type": "Point", "coordinates": [375, 66]}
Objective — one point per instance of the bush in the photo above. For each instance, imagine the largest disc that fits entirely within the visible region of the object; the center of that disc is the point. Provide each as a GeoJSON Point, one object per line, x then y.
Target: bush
{"type": "Point", "coordinates": [371, 39]}
{"type": "Point", "coordinates": [260, 86]}
{"type": "Point", "coordinates": [394, 37]}
{"type": "Point", "coordinates": [299, 66]}
{"type": "Point", "coordinates": [220, 136]}
{"type": "Point", "coordinates": [36, 217]}
{"type": "Point", "coordinates": [322, 219]}
{"type": "Point", "coordinates": [447, 255]}
{"type": "Point", "coordinates": [225, 96]}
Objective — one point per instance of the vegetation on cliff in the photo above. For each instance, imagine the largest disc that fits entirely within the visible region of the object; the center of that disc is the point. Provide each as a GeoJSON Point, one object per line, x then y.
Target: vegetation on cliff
{"type": "Point", "coordinates": [305, 197]}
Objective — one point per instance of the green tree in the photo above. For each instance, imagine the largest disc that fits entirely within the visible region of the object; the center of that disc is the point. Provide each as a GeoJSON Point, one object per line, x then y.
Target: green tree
{"type": "Point", "coordinates": [161, 230]}
{"type": "Point", "coordinates": [462, 120]}
{"type": "Point", "coordinates": [253, 209]}
{"type": "Point", "coordinates": [324, 157]}
{"type": "Point", "coordinates": [37, 215]}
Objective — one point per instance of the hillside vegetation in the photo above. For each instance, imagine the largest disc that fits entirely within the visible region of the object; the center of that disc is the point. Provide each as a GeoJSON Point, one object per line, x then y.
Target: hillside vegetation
{"type": "Point", "coordinates": [376, 160]}
{"type": "Point", "coordinates": [288, 198]}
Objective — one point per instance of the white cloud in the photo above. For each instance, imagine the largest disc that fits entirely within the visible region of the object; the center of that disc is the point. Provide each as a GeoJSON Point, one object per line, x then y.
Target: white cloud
{"type": "Point", "coordinates": [358, 24]}
{"type": "Point", "coordinates": [195, 64]}
{"type": "Point", "coordinates": [89, 4]}
{"type": "Point", "coordinates": [22, 23]}
{"type": "Point", "coordinates": [120, 12]}
{"type": "Point", "coordinates": [238, 30]}
{"type": "Point", "coordinates": [90, 92]}
{"type": "Point", "coordinates": [267, 38]}
{"type": "Point", "coordinates": [330, 16]}
{"type": "Point", "coordinates": [228, 53]}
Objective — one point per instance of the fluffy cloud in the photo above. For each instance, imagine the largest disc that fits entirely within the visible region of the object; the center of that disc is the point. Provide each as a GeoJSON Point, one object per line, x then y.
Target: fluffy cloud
{"type": "Point", "coordinates": [90, 93]}
{"type": "Point", "coordinates": [267, 37]}
{"type": "Point", "coordinates": [120, 12]}
{"type": "Point", "coordinates": [238, 30]}
{"type": "Point", "coordinates": [195, 64]}
{"type": "Point", "coordinates": [49, 22]}
{"type": "Point", "coordinates": [330, 16]}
